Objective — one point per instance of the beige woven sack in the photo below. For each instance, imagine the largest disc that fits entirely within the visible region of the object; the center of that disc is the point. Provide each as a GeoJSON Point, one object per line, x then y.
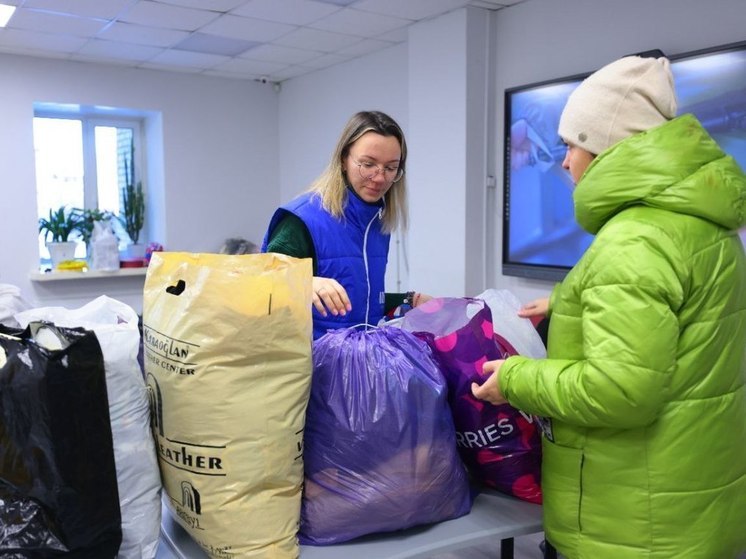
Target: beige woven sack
{"type": "Point", "coordinates": [228, 364]}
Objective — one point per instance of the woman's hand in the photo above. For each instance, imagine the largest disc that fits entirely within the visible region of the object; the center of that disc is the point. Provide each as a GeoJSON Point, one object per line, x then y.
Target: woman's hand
{"type": "Point", "coordinates": [420, 298]}
{"type": "Point", "coordinates": [329, 295]}
{"type": "Point", "coordinates": [538, 307]}
{"type": "Point", "coordinates": [490, 389]}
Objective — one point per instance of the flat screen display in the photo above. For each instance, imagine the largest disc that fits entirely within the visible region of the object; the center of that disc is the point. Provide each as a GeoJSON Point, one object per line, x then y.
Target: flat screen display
{"type": "Point", "coordinates": [540, 236]}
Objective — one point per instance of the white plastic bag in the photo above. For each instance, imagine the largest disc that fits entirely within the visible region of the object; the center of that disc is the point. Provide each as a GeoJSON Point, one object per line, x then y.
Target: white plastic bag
{"type": "Point", "coordinates": [519, 332]}
{"type": "Point", "coordinates": [115, 326]}
{"type": "Point", "coordinates": [104, 247]}
{"type": "Point", "coordinates": [11, 302]}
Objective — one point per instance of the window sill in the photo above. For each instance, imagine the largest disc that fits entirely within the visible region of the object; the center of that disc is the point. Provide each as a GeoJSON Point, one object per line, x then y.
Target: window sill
{"type": "Point", "coordinates": [92, 274]}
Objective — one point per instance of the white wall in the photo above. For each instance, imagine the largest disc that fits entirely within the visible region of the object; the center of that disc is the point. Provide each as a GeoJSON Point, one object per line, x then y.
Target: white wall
{"type": "Point", "coordinates": [219, 152]}
{"type": "Point", "coordinates": [448, 99]}
{"type": "Point", "coordinates": [539, 40]}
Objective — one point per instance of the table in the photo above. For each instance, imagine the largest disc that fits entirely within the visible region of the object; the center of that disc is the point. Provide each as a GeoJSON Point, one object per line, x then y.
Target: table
{"type": "Point", "coordinates": [493, 516]}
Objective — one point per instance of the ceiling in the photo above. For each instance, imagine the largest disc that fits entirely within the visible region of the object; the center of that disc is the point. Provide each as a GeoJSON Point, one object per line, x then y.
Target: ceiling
{"type": "Point", "coordinates": [265, 40]}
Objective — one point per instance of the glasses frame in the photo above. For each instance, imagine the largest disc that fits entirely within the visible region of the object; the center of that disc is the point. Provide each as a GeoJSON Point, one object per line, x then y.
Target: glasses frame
{"type": "Point", "coordinates": [379, 169]}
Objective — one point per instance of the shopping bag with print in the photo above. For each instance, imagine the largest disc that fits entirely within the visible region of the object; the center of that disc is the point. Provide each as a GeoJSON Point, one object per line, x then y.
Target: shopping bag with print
{"type": "Point", "coordinates": [500, 445]}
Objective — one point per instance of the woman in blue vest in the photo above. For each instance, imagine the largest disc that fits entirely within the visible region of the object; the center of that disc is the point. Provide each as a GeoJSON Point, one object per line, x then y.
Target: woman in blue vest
{"type": "Point", "coordinates": [344, 223]}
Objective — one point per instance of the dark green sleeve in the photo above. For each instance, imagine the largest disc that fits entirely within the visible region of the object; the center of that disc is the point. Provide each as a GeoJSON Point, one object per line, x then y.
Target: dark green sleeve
{"type": "Point", "coordinates": [393, 300]}
{"type": "Point", "coordinates": [291, 236]}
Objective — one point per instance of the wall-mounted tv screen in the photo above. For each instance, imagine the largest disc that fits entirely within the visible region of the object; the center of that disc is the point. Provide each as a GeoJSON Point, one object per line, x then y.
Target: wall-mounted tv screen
{"type": "Point", "coordinates": [540, 236]}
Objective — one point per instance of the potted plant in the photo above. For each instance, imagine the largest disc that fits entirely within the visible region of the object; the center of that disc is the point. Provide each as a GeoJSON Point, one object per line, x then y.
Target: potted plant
{"type": "Point", "coordinates": [59, 226]}
{"type": "Point", "coordinates": [133, 210]}
{"type": "Point", "coordinates": [133, 213]}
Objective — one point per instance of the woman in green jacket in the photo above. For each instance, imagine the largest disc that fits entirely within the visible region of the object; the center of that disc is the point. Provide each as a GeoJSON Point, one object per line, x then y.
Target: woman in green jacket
{"type": "Point", "coordinates": [644, 385]}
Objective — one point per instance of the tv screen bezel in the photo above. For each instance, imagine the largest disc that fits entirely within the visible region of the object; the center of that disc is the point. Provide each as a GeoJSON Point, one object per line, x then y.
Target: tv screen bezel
{"type": "Point", "coordinates": [556, 272]}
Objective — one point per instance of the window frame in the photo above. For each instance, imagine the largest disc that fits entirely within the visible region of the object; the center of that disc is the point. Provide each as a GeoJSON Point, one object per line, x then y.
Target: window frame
{"type": "Point", "coordinates": [90, 118]}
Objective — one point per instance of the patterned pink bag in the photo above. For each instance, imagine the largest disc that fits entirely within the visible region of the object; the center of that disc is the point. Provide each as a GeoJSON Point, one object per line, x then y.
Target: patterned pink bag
{"type": "Point", "coordinates": [500, 445]}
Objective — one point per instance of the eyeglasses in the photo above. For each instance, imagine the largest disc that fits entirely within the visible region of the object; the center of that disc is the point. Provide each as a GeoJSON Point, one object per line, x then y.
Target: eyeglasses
{"type": "Point", "coordinates": [369, 170]}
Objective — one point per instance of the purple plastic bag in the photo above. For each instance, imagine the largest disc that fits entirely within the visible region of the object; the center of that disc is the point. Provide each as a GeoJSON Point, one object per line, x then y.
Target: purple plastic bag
{"type": "Point", "coordinates": [379, 445]}
{"type": "Point", "coordinates": [500, 445]}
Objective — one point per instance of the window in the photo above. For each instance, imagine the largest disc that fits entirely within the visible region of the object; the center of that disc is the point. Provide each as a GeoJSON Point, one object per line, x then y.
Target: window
{"type": "Point", "coordinates": [84, 160]}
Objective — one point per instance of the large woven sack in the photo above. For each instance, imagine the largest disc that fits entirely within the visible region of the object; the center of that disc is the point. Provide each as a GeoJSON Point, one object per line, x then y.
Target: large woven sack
{"type": "Point", "coordinates": [228, 360]}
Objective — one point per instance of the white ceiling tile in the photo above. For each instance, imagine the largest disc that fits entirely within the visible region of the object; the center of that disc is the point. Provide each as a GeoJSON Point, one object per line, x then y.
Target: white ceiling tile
{"type": "Point", "coordinates": [41, 42]}
{"type": "Point", "coordinates": [55, 23]}
{"type": "Point", "coordinates": [141, 35]}
{"type": "Point", "coordinates": [104, 9]}
{"type": "Point", "coordinates": [259, 67]}
{"type": "Point", "coordinates": [315, 39]}
{"type": "Point", "coordinates": [98, 59]}
{"type": "Point", "coordinates": [119, 51]}
{"type": "Point", "coordinates": [247, 28]}
{"type": "Point", "coordinates": [290, 72]}
{"type": "Point", "coordinates": [213, 5]}
{"type": "Point", "coordinates": [339, 2]}
{"type": "Point", "coordinates": [229, 75]}
{"type": "Point", "coordinates": [202, 42]}
{"type": "Point", "coordinates": [155, 14]}
{"type": "Point", "coordinates": [365, 24]}
{"type": "Point", "coordinates": [278, 53]}
{"type": "Point", "coordinates": [365, 46]}
{"type": "Point", "coordinates": [410, 9]}
{"type": "Point", "coordinates": [396, 36]}
{"type": "Point", "coordinates": [185, 58]}
{"type": "Point", "coordinates": [172, 68]}
{"type": "Point", "coordinates": [22, 51]}
{"type": "Point", "coordinates": [326, 60]}
{"type": "Point", "coordinates": [297, 12]}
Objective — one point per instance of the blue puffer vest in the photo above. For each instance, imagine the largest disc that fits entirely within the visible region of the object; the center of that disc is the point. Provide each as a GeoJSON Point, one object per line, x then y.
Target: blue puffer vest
{"type": "Point", "coordinates": [352, 250]}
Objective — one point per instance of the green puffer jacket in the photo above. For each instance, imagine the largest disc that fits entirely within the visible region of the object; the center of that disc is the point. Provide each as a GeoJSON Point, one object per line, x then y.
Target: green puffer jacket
{"type": "Point", "coordinates": [645, 377]}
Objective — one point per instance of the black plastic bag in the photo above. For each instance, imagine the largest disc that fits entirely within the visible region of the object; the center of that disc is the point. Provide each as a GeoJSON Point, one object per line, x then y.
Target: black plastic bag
{"type": "Point", "coordinates": [58, 484]}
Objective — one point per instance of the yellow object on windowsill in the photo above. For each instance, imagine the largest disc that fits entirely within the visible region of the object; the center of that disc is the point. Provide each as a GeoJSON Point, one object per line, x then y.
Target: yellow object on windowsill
{"type": "Point", "coordinates": [72, 266]}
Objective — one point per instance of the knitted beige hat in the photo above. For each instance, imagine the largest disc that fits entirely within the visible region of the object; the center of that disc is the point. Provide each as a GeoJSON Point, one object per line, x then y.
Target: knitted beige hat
{"type": "Point", "coordinates": [621, 99]}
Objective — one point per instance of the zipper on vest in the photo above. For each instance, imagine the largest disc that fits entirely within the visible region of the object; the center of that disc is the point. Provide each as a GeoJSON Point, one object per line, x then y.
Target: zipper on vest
{"type": "Point", "coordinates": [378, 215]}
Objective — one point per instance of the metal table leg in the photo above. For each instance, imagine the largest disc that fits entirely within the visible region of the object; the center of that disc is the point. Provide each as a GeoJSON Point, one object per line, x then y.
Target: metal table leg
{"type": "Point", "coordinates": [506, 548]}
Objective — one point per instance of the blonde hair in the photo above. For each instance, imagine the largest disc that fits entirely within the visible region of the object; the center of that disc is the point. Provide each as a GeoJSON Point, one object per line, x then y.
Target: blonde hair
{"type": "Point", "coordinates": [331, 185]}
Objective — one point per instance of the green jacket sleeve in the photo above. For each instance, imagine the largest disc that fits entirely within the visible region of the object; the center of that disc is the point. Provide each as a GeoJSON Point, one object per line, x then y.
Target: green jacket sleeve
{"type": "Point", "coordinates": [613, 339]}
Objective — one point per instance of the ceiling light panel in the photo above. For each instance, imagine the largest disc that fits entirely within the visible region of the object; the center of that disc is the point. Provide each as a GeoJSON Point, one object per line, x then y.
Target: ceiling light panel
{"type": "Point", "coordinates": [228, 46]}
{"type": "Point", "coordinates": [141, 35]}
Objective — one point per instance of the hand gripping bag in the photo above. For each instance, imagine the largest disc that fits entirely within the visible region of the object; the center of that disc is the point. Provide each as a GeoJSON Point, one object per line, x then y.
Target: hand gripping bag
{"type": "Point", "coordinates": [116, 327]}
{"type": "Point", "coordinates": [500, 445]}
{"type": "Point", "coordinates": [379, 450]}
{"type": "Point", "coordinates": [228, 361]}
{"type": "Point", "coordinates": [58, 484]}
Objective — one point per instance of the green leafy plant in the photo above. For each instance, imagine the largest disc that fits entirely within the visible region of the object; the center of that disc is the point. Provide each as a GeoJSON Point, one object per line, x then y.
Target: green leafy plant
{"type": "Point", "coordinates": [59, 225]}
{"type": "Point", "coordinates": [86, 218]}
{"type": "Point", "coordinates": [133, 197]}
